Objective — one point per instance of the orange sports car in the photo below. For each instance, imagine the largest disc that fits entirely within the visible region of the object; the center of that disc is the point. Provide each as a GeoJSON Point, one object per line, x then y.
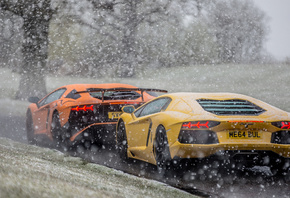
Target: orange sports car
{"type": "Point", "coordinates": [82, 113]}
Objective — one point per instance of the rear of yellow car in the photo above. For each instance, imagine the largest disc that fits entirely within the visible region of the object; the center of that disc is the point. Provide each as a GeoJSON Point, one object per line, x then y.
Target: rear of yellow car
{"type": "Point", "coordinates": [236, 129]}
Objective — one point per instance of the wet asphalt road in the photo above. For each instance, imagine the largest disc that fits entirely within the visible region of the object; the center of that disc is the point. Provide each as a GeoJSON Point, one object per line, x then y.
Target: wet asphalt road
{"type": "Point", "coordinates": [206, 182]}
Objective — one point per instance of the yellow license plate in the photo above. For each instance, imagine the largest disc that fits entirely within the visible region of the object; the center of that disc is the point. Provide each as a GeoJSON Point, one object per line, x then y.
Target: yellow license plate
{"type": "Point", "coordinates": [244, 135]}
{"type": "Point", "coordinates": [114, 115]}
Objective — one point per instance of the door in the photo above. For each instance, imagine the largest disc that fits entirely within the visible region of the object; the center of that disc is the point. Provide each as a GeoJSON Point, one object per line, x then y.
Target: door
{"type": "Point", "coordinates": [42, 114]}
{"type": "Point", "coordinates": [139, 130]}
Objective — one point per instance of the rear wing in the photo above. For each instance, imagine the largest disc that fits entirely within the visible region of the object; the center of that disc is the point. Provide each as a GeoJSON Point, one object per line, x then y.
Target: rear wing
{"type": "Point", "coordinates": [91, 90]}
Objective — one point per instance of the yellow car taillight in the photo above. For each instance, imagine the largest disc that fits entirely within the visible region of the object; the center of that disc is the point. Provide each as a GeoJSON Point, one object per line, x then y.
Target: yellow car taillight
{"type": "Point", "coordinates": [200, 124]}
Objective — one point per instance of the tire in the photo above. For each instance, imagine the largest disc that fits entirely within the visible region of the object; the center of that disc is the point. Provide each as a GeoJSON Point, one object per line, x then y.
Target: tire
{"type": "Point", "coordinates": [30, 128]}
{"type": "Point", "coordinates": [161, 148]}
{"type": "Point", "coordinates": [56, 131]}
{"type": "Point", "coordinates": [122, 144]}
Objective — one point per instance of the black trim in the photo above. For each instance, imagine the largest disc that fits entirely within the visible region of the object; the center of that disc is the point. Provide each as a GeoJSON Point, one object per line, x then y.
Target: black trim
{"type": "Point", "coordinates": [121, 89]}
{"type": "Point", "coordinates": [280, 137]}
{"type": "Point", "coordinates": [150, 126]}
{"type": "Point", "coordinates": [73, 94]}
{"type": "Point", "coordinates": [48, 112]}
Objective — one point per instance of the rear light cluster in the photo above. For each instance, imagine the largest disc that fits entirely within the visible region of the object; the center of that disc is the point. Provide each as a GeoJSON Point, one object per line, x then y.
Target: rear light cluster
{"type": "Point", "coordinates": [282, 124]}
{"type": "Point", "coordinates": [281, 137]}
{"type": "Point", "coordinates": [200, 134]}
{"type": "Point", "coordinates": [200, 124]}
{"type": "Point", "coordinates": [83, 108]}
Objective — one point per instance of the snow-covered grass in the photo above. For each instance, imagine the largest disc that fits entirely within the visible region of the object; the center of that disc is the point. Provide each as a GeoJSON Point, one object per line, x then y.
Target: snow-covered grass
{"type": "Point", "coordinates": [10, 108]}
{"type": "Point", "coordinates": [30, 171]}
{"type": "Point", "coordinates": [269, 83]}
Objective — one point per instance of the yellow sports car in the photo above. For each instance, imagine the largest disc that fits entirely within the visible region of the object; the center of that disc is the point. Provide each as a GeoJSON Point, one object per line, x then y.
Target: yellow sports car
{"type": "Point", "coordinates": [223, 126]}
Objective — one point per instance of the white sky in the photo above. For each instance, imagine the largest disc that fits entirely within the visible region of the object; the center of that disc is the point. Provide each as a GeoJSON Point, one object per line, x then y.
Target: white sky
{"type": "Point", "coordinates": [278, 42]}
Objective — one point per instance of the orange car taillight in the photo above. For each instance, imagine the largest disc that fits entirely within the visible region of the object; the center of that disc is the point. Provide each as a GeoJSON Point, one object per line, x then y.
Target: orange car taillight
{"type": "Point", "coordinates": [282, 124]}
{"type": "Point", "coordinates": [83, 108]}
{"type": "Point", "coordinates": [200, 124]}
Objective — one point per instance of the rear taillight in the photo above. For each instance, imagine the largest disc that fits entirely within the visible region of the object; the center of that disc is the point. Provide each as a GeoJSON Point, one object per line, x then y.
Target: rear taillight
{"type": "Point", "coordinates": [83, 108]}
{"type": "Point", "coordinates": [199, 124]}
{"type": "Point", "coordinates": [282, 124]}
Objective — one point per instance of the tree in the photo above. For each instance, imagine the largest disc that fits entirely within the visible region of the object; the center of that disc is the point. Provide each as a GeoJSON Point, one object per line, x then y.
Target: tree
{"type": "Point", "coordinates": [36, 15]}
{"type": "Point", "coordinates": [10, 37]}
{"type": "Point", "coordinates": [239, 28]}
{"type": "Point", "coordinates": [127, 16]}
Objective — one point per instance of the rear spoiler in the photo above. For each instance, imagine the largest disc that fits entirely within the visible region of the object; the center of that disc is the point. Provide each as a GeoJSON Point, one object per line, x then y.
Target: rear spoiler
{"type": "Point", "coordinates": [121, 89]}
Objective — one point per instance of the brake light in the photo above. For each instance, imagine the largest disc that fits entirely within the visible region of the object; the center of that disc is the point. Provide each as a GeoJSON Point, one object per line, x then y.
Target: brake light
{"type": "Point", "coordinates": [200, 124]}
{"type": "Point", "coordinates": [282, 124]}
{"type": "Point", "coordinates": [83, 108]}
{"type": "Point", "coordinates": [285, 125]}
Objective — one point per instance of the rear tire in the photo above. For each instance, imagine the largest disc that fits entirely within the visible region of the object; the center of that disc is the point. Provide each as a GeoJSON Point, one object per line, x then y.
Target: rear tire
{"type": "Point", "coordinates": [161, 149]}
{"type": "Point", "coordinates": [56, 131]}
{"type": "Point", "coordinates": [122, 144]}
{"type": "Point", "coordinates": [30, 128]}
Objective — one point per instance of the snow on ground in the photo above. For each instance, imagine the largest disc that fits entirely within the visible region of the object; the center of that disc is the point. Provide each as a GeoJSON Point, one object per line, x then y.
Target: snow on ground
{"type": "Point", "coordinates": [31, 171]}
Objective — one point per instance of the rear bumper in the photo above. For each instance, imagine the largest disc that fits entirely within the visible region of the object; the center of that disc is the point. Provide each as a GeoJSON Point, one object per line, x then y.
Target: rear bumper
{"type": "Point", "coordinates": [100, 133]}
{"type": "Point", "coordinates": [199, 151]}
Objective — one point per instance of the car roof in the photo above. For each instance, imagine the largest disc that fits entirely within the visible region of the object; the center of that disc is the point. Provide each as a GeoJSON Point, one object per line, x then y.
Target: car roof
{"type": "Point", "coordinates": [191, 97]}
{"type": "Point", "coordinates": [218, 96]}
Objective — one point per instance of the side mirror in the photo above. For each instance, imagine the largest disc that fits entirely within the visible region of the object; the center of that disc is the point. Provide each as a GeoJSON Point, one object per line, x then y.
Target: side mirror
{"type": "Point", "coordinates": [33, 99]}
{"type": "Point", "coordinates": [128, 109]}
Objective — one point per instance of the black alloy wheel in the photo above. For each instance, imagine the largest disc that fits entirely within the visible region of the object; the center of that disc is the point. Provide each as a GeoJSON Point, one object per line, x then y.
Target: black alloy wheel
{"type": "Point", "coordinates": [161, 148]}
{"type": "Point", "coordinates": [30, 128]}
{"type": "Point", "coordinates": [122, 144]}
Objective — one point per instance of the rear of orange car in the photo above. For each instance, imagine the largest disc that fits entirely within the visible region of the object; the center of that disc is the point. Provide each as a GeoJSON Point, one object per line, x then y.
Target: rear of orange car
{"type": "Point", "coordinates": [96, 122]}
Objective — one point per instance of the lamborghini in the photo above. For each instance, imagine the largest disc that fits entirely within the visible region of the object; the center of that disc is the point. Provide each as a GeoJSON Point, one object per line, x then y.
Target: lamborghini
{"type": "Point", "coordinates": [81, 113]}
{"type": "Point", "coordinates": [219, 126]}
